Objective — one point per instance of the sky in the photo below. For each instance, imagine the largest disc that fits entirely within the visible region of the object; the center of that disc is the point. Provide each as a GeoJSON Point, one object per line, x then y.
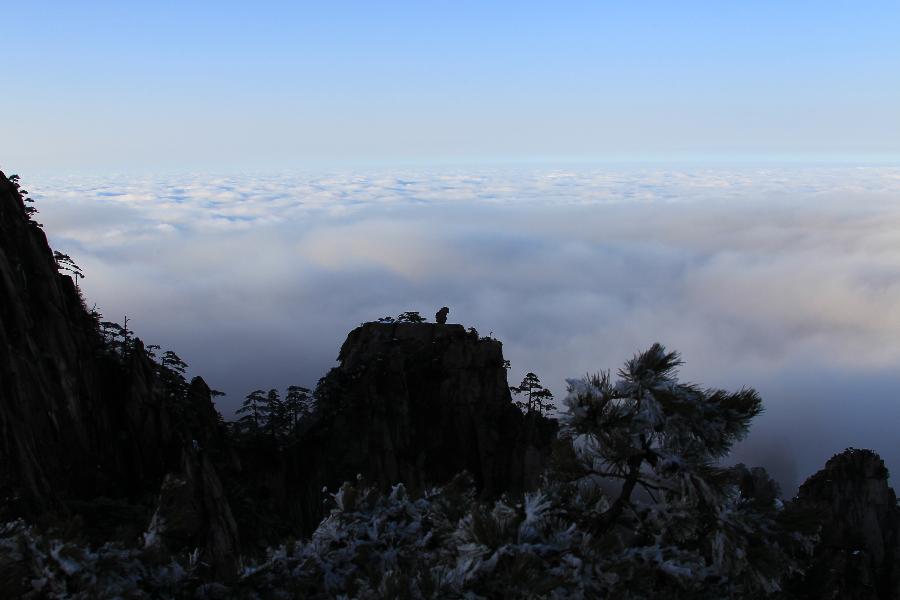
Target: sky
{"type": "Point", "coordinates": [164, 85]}
{"type": "Point", "coordinates": [249, 181]}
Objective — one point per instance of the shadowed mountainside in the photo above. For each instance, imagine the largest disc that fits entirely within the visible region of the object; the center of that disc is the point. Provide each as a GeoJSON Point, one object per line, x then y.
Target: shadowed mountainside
{"type": "Point", "coordinates": [79, 423]}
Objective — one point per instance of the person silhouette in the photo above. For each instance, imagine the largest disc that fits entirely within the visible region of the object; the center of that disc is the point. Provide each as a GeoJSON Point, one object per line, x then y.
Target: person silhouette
{"type": "Point", "coordinates": [441, 316]}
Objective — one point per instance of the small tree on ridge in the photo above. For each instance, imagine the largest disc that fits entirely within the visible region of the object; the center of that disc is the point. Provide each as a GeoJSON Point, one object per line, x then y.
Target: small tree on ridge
{"type": "Point", "coordinates": [535, 397]}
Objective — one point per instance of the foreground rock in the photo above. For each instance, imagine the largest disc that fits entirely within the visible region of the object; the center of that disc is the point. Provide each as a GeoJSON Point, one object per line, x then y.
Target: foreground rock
{"type": "Point", "coordinates": [194, 513]}
{"type": "Point", "coordinates": [857, 556]}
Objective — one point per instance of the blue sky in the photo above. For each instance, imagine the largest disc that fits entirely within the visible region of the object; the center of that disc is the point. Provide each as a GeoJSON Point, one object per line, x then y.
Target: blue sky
{"type": "Point", "coordinates": [106, 86]}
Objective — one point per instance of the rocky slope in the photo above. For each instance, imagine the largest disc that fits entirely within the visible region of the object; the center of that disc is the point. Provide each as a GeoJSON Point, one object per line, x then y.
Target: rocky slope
{"type": "Point", "coordinates": [79, 423]}
{"type": "Point", "coordinates": [856, 514]}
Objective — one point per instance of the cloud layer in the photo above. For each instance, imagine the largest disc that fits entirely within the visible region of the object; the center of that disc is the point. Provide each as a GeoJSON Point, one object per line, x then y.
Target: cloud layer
{"type": "Point", "coordinates": [786, 280]}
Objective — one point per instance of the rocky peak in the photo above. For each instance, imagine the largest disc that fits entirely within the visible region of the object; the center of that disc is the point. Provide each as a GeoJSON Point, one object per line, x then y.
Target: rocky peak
{"type": "Point", "coordinates": [80, 423]}
{"type": "Point", "coordinates": [414, 403]}
{"type": "Point", "coordinates": [857, 555]}
{"type": "Point", "coordinates": [430, 400]}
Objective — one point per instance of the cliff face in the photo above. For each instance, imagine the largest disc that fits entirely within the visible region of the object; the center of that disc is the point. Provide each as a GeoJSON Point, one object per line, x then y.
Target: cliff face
{"type": "Point", "coordinates": [76, 423]}
{"type": "Point", "coordinates": [419, 402]}
{"type": "Point", "coordinates": [61, 405]}
{"type": "Point", "coordinates": [415, 403]}
{"type": "Point", "coordinates": [858, 554]}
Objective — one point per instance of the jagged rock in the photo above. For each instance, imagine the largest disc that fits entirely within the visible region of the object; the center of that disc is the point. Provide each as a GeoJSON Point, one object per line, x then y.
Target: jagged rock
{"type": "Point", "coordinates": [857, 556]}
{"type": "Point", "coordinates": [756, 486]}
{"type": "Point", "coordinates": [81, 427]}
{"type": "Point", "coordinates": [72, 422]}
{"type": "Point", "coordinates": [415, 403]}
{"type": "Point", "coordinates": [193, 513]}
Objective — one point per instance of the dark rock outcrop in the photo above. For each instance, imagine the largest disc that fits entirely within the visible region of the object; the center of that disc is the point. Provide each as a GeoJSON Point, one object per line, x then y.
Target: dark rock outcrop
{"type": "Point", "coordinates": [857, 556]}
{"type": "Point", "coordinates": [72, 422]}
{"type": "Point", "coordinates": [410, 402]}
{"type": "Point", "coordinates": [79, 423]}
{"type": "Point", "coordinates": [418, 403]}
{"type": "Point", "coordinates": [193, 512]}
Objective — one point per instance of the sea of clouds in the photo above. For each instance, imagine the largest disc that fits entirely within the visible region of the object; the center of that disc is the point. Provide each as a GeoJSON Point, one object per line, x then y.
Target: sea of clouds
{"type": "Point", "coordinates": [782, 279]}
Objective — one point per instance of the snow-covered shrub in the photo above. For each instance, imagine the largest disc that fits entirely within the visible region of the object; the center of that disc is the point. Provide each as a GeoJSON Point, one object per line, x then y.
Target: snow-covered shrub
{"type": "Point", "coordinates": [34, 565]}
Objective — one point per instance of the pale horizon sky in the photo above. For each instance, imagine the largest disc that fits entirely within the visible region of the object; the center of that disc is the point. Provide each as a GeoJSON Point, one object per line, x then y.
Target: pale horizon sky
{"type": "Point", "coordinates": [103, 86]}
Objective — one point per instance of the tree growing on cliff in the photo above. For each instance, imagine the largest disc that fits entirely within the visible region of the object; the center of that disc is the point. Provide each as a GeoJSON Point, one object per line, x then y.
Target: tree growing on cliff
{"type": "Point", "coordinates": [274, 412]}
{"type": "Point", "coordinates": [117, 338]}
{"type": "Point", "coordinates": [110, 331]}
{"type": "Point", "coordinates": [171, 371]}
{"type": "Point", "coordinates": [173, 362]}
{"type": "Point", "coordinates": [411, 316]}
{"type": "Point", "coordinates": [253, 411]}
{"type": "Point", "coordinates": [298, 404]}
{"type": "Point", "coordinates": [64, 262]}
{"type": "Point", "coordinates": [534, 396]}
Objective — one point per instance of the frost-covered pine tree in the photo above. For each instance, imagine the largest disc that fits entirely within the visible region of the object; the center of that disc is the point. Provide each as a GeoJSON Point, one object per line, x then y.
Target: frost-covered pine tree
{"type": "Point", "coordinates": [643, 458]}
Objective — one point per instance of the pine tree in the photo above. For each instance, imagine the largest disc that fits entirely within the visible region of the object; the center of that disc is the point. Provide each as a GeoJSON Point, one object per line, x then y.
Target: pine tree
{"type": "Point", "coordinates": [298, 405]}
{"type": "Point", "coordinates": [675, 510]}
{"type": "Point", "coordinates": [171, 371]}
{"type": "Point", "coordinates": [411, 316]}
{"type": "Point", "coordinates": [253, 411]}
{"type": "Point", "coordinates": [536, 398]}
{"type": "Point", "coordinates": [110, 332]}
{"type": "Point", "coordinates": [64, 262]}
{"type": "Point", "coordinates": [274, 413]}
{"type": "Point", "coordinates": [173, 362]}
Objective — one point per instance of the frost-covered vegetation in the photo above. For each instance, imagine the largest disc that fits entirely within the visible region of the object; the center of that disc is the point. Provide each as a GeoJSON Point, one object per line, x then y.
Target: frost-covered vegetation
{"type": "Point", "coordinates": [633, 506]}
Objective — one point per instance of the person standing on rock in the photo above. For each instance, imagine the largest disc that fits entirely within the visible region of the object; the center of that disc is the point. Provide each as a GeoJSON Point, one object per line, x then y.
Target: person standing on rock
{"type": "Point", "coordinates": [441, 316]}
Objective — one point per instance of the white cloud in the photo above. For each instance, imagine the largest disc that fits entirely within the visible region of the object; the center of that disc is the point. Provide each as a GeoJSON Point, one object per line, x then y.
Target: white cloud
{"type": "Point", "coordinates": [773, 278]}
